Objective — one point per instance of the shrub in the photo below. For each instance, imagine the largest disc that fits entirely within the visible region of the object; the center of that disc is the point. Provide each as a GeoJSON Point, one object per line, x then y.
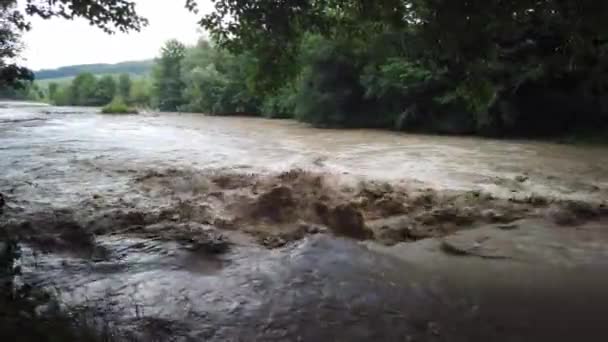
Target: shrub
{"type": "Point", "coordinates": [281, 104]}
{"type": "Point", "coordinates": [118, 106]}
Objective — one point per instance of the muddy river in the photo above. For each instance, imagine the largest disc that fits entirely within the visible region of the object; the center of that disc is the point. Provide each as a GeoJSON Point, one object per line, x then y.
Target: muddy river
{"type": "Point", "coordinates": [182, 227]}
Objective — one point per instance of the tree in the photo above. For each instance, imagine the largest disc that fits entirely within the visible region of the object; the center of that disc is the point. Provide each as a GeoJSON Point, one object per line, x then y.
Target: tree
{"type": "Point", "coordinates": [11, 74]}
{"type": "Point", "coordinates": [329, 91]}
{"type": "Point", "coordinates": [109, 15]}
{"type": "Point", "coordinates": [105, 90]}
{"type": "Point", "coordinates": [218, 82]}
{"type": "Point", "coordinates": [53, 87]}
{"type": "Point", "coordinates": [140, 92]}
{"type": "Point", "coordinates": [83, 90]}
{"type": "Point", "coordinates": [63, 96]}
{"type": "Point", "coordinates": [168, 83]}
{"type": "Point", "coordinates": [124, 86]}
{"type": "Point", "coordinates": [514, 65]}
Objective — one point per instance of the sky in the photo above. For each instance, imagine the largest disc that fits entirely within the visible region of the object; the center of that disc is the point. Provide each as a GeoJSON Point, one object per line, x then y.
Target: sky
{"type": "Point", "coordinates": [59, 42]}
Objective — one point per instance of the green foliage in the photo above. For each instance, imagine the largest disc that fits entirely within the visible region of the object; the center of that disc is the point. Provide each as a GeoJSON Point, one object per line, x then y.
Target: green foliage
{"type": "Point", "coordinates": [59, 81]}
{"type": "Point", "coordinates": [62, 96]}
{"type": "Point", "coordinates": [217, 81]}
{"type": "Point", "coordinates": [83, 90]}
{"type": "Point", "coordinates": [480, 59]}
{"type": "Point", "coordinates": [106, 89]}
{"type": "Point", "coordinates": [396, 76]}
{"type": "Point", "coordinates": [109, 15]}
{"type": "Point", "coordinates": [118, 106]}
{"type": "Point", "coordinates": [329, 92]}
{"type": "Point", "coordinates": [281, 104]}
{"type": "Point", "coordinates": [450, 67]}
{"type": "Point", "coordinates": [124, 86]}
{"type": "Point", "coordinates": [140, 92]}
{"type": "Point", "coordinates": [11, 75]}
{"type": "Point", "coordinates": [167, 76]}
{"type": "Point", "coordinates": [205, 90]}
{"type": "Point", "coordinates": [22, 90]}
{"type": "Point", "coordinates": [478, 95]}
{"type": "Point", "coordinates": [52, 90]}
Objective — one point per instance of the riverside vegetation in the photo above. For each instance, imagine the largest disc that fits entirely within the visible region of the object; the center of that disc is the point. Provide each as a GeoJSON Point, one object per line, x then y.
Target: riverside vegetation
{"type": "Point", "coordinates": [527, 69]}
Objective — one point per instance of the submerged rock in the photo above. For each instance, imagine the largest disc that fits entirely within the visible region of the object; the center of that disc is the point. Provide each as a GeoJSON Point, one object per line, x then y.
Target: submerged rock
{"type": "Point", "coordinates": [575, 212]}
{"type": "Point", "coordinates": [211, 244]}
{"type": "Point", "coordinates": [463, 247]}
{"type": "Point", "coordinates": [347, 220]}
{"type": "Point", "coordinates": [390, 206]}
{"type": "Point", "coordinates": [496, 216]}
{"type": "Point", "coordinates": [75, 235]}
{"type": "Point", "coordinates": [194, 236]}
{"type": "Point", "coordinates": [392, 230]}
{"type": "Point", "coordinates": [273, 242]}
{"type": "Point", "coordinates": [450, 214]}
{"type": "Point", "coordinates": [274, 204]}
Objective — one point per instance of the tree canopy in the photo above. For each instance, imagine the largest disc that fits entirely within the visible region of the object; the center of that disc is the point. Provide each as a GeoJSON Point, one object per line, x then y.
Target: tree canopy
{"type": "Point", "coordinates": [168, 81]}
{"type": "Point", "coordinates": [10, 46]}
{"type": "Point", "coordinates": [108, 15]}
{"type": "Point", "coordinates": [449, 66]}
{"type": "Point", "coordinates": [500, 59]}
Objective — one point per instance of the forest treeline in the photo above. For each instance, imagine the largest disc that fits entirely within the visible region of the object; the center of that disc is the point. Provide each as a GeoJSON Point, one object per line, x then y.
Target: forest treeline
{"type": "Point", "coordinates": [131, 67]}
{"type": "Point", "coordinates": [86, 89]}
{"type": "Point", "coordinates": [512, 68]}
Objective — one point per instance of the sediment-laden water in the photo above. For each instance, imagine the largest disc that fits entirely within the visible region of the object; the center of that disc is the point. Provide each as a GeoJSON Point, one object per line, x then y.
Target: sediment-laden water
{"type": "Point", "coordinates": [187, 227]}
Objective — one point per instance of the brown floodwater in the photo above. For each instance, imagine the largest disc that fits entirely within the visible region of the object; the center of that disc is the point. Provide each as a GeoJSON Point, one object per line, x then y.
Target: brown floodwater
{"type": "Point", "coordinates": [63, 136]}
{"type": "Point", "coordinates": [321, 288]}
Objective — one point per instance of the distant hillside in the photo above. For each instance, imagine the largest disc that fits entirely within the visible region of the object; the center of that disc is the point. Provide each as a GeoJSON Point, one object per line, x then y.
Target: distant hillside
{"type": "Point", "coordinates": [132, 67]}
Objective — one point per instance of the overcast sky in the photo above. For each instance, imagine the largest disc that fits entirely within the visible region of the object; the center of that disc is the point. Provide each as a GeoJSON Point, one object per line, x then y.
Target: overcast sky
{"type": "Point", "coordinates": [58, 42]}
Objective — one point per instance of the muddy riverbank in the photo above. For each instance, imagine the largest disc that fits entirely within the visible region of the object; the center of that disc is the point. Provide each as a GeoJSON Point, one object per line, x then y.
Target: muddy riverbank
{"type": "Point", "coordinates": [182, 227]}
